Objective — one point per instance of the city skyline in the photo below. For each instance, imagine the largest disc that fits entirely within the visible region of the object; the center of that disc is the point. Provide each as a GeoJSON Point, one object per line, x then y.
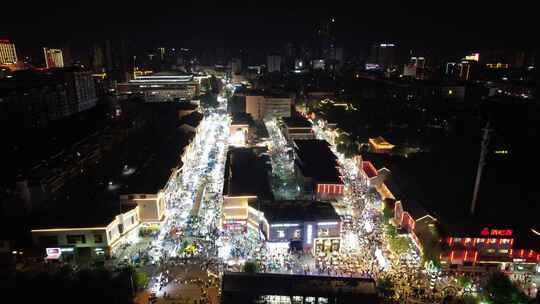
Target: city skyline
{"type": "Point", "coordinates": [221, 152]}
{"type": "Point", "coordinates": [458, 25]}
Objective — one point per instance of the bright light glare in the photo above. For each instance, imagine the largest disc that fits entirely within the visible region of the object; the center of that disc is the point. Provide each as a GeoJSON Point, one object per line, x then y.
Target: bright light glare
{"type": "Point", "coordinates": [237, 138]}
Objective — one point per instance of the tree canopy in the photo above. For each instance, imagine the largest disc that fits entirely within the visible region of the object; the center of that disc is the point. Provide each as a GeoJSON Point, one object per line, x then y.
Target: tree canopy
{"type": "Point", "coordinates": [95, 285]}
{"type": "Point", "coordinates": [251, 267]}
{"type": "Point", "coordinates": [499, 289]}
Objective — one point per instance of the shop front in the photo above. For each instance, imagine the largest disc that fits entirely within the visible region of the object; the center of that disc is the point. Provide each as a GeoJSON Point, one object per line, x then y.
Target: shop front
{"type": "Point", "coordinates": [327, 245]}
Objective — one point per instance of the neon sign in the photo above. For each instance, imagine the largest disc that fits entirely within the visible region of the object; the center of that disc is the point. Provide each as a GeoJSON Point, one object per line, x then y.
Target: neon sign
{"type": "Point", "coordinates": [496, 232]}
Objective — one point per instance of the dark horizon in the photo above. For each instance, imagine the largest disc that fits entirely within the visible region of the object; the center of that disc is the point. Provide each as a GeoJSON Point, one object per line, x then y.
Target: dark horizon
{"type": "Point", "coordinates": [459, 27]}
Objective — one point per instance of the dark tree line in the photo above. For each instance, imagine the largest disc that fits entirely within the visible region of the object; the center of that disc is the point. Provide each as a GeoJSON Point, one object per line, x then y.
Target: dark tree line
{"type": "Point", "coordinates": [68, 286]}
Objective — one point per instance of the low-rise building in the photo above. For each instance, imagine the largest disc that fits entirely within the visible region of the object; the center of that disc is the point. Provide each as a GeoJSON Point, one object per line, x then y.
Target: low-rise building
{"type": "Point", "coordinates": [316, 169]}
{"type": "Point", "coordinates": [475, 244]}
{"type": "Point", "coordinates": [374, 177]}
{"type": "Point", "coordinates": [86, 232]}
{"type": "Point", "coordinates": [380, 145]}
{"type": "Point", "coordinates": [308, 226]}
{"type": "Point", "coordinates": [297, 127]}
{"type": "Point", "coordinates": [241, 287]}
{"type": "Point", "coordinates": [246, 184]}
{"type": "Point", "coordinates": [96, 222]}
{"type": "Point", "coordinates": [161, 87]}
{"type": "Point", "coordinates": [241, 129]}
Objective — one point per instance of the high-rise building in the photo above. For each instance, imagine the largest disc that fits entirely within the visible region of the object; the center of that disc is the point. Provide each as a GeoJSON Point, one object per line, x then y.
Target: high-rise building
{"type": "Point", "coordinates": [419, 62]}
{"type": "Point", "coordinates": [80, 88]}
{"type": "Point", "coordinates": [415, 67]}
{"type": "Point", "coordinates": [53, 58]}
{"type": "Point", "coordinates": [34, 98]}
{"type": "Point", "coordinates": [8, 54]}
{"type": "Point", "coordinates": [97, 61]}
{"type": "Point", "coordinates": [273, 63]}
{"type": "Point", "coordinates": [335, 58]}
{"type": "Point", "coordinates": [236, 66]}
{"type": "Point", "coordinates": [118, 64]}
{"type": "Point", "coordinates": [288, 56]}
{"type": "Point", "coordinates": [325, 39]}
{"type": "Point", "coordinates": [383, 54]}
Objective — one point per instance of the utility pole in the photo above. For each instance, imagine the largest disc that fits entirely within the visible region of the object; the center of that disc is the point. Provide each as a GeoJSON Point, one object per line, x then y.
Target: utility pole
{"type": "Point", "coordinates": [481, 163]}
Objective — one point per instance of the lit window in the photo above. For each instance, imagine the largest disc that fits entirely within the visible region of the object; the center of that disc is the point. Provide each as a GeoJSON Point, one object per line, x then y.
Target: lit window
{"type": "Point", "coordinates": [322, 300]}
{"type": "Point", "coordinates": [323, 232]}
{"type": "Point", "coordinates": [281, 234]}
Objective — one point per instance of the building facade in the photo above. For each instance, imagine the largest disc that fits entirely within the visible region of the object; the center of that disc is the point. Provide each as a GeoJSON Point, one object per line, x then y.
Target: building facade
{"type": "Point", "coordinates": [316, 169]}
{"type": "Point", "coordinates": [162, 87]}
{"type": "Point", "coordinates": [297, 127]}
{"type": "Point", "coordinates": [261, 106]}
{"type": "Point", "coordinates": [71, 243]}
{"type": "Point", "coordinates": [308, 226]}
{"type": "Point", "coordinates": [273, 63]}
{"type": "Point", "coordinates": [8, 54]}
{"type": "Point", "coordinates": [277, 107]}
{"type": "Point", "coordinates": [53, 58]}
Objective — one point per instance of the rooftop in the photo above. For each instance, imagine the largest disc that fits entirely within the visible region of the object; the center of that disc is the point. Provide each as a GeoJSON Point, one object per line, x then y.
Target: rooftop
{"type": "Point", "coordinates": [187, 106]}
{"type": "Point", "coordinates": [153, 174]}
{"type": "Point", "coordinates": [296, 121]}
{"type": "Point", "coordinates": [369, 169]}
{"type": "Point", "coordinates": [299, 210]}
{"type": "Point", "coordinates": [241, 118]}
{"type": "Point", "coordinates": [68, 215]}
{"type": "Point", "coordinates": [141, 164]}
{"type": "Point", "coordinates": [192, 119]}
{"type": "Point", "coordinates": [237, 287]}
{"type": "Point", "coordinates": [380, 143]}
{"type": "Point", "coordinates": [246, 174]}
{"type": "Point", "coordinates": [316, 160]}
{"type": "Point", "coordinates": [171, 73]}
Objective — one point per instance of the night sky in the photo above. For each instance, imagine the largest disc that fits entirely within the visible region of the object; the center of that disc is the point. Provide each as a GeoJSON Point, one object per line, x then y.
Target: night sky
{"type": "Point", "coordinates": [447, 25]}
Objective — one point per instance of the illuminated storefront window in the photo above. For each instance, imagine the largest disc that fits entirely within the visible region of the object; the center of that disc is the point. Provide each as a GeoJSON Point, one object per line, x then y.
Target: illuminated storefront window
{"type": "Point", "coordinates": [276, 300]}
{"type": "Point", "coordinates": [323, 232]}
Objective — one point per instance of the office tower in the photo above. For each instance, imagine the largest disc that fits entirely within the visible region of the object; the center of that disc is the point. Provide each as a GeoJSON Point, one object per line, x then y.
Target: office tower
{"type": "Point", "coordinates": [288, 56]}
{"type": "Point", "coordinates": [8, 54]}
{"type": "Point", "coordinates": [97, 59]}
{"type": "Point", "coordinates": [273, 63]}
{"type": "Point", "coordinates": [383, 54]}
{"type": "Point", "coordinates": [53, 58]}
{"type": "Point", "coordinates": [236, 66]}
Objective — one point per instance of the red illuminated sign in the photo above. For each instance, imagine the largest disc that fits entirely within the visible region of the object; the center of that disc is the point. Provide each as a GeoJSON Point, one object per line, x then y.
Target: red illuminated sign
{"type": "Point", "coordinates": [503, 232]}
{"type": "Point", "coordinates": [497, 232]}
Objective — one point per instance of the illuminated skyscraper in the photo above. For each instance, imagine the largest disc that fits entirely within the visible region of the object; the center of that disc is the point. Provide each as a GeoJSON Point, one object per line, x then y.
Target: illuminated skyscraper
{"type": "Point", "coordinates": [53, 58]}
{"type": "Point", "coordinates": [8, 54]}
